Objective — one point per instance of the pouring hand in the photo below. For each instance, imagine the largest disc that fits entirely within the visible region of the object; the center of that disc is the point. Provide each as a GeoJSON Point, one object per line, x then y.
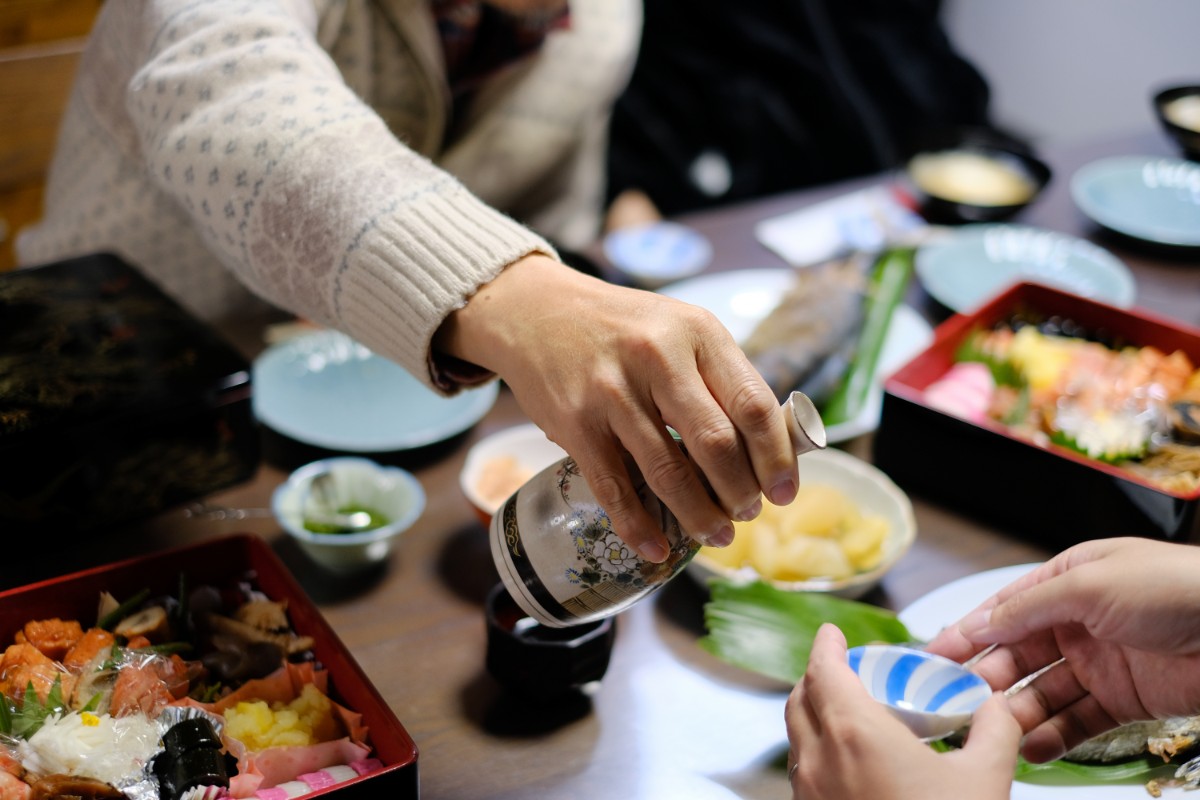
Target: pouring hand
{"type": "Point", "coordinates": [603, 370]}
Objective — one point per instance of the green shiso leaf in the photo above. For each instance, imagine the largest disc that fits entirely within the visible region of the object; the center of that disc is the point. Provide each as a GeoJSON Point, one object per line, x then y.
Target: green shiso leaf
{"type": "Point", "coordinates": [1060, 772]}
{"type": "Point", "coordinates": [1142, 767]}
{"type": "Point", "coordinates": [770, 631]}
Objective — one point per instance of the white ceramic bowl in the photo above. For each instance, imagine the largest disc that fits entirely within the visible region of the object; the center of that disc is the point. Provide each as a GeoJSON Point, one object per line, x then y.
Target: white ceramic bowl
{"type": "Point", "coordinates": [933, 696]}
{"type": "Point", "coordinates": [389, 491]}
{"type": "Point", "coordinates": [871, 491]}
{"type": "Point", "coordinates": [498, 461]}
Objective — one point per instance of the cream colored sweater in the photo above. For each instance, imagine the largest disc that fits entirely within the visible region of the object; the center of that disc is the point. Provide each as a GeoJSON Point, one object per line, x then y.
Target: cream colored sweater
{"type": "Point", "coordinates": [299, 148]}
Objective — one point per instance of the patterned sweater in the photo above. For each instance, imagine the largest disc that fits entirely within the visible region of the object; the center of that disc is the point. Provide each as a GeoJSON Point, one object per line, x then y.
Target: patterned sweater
{"type": "Point", "coordinates": [300, 149]}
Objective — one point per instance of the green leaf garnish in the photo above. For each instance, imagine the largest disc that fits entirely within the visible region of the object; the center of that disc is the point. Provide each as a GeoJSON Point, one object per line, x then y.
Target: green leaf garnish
{"type": "Point", "coordinates": [24, 720]}
{"type": "Point", "coordinates": [767, 630]}
{"type": "Point", "coordinates": [1142, 767]}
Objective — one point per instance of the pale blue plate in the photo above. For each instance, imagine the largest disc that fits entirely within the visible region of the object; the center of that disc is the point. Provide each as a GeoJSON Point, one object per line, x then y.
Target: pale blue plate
{"type": "Point", "coordinates": [325, 389]}
{"type": "Point", "coordinates": [1153, 199]}
{"type": "Point", "coordinates": [971, 264]}
{"type": "Point", "coordinates": [658, 253]}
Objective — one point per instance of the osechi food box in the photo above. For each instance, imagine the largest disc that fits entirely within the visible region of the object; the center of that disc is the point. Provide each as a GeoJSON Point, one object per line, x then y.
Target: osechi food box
{"type": "Point", "coordinates": [195, 674]}
{"type": "Point", "coordinates": [1059, 417]}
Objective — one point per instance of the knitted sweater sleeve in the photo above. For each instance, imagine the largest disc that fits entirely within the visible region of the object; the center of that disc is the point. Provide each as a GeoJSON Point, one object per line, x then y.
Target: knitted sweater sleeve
{"type": "Point", "coordinates": [297, 185]}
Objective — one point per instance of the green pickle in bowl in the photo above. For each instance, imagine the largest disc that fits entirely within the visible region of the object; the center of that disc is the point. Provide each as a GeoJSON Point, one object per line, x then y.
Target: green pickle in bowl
{"type": "Point", "coordinates": [376, 520]}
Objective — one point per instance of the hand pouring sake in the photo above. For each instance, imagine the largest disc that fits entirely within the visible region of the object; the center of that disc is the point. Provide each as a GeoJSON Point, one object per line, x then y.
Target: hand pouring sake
{"type": "Point", "coordinates": [563, 563]}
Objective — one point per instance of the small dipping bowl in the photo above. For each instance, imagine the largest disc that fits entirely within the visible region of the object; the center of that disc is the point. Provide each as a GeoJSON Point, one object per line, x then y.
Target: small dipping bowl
{"type": "Point", "coordinates": [1178, 111]}
{"type": "Point", "coordinates": [497, 465]}
{"type": "Point", "coordinates": [932, 695]}
{"type": "Point", "coordinates": [539, 662]}
{"type": "Point", "coordinates": [973, 175]}
{"type": "Point", "coordinates": [393, 494]}
{"type": "Point", "coordinates": [657, 253]}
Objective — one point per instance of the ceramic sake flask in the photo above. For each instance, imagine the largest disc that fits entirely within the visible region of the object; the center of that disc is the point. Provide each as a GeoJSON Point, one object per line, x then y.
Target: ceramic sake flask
{"type": "Point", "coordinates": [560, 558]}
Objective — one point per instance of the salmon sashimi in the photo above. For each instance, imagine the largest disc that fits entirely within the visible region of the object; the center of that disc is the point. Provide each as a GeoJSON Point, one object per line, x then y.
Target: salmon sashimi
{"type": "Point", "coordinates": [148, 686]}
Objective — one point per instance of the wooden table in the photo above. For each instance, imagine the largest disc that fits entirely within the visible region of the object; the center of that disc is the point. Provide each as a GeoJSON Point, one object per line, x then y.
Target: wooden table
{"type": "Point", "coordinates": [668, 720]}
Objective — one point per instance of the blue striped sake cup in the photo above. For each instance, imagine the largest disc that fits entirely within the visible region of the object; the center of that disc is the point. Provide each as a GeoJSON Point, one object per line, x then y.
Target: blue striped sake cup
{"type": "Point", "coordinates": [932, 695]}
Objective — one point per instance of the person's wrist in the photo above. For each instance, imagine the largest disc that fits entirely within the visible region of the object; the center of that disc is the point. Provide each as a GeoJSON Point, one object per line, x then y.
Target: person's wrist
{"type": "Point", "coordinates": [482, 330]}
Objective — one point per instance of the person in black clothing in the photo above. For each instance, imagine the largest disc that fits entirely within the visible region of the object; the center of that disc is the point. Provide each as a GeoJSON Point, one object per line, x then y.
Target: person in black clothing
{"type": "Point", "coordinates": [734, 100]}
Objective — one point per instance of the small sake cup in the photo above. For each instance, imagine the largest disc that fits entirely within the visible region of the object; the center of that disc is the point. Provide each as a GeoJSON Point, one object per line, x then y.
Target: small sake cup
{"type": "Point", "coordinates": [933, 696]}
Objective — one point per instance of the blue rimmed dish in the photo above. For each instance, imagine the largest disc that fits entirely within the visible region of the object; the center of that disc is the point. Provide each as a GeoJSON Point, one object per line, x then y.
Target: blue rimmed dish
{"type": "Point", "coordinates": [1148, 198]}
{"type": "Point", "coordinates": [968, 266]}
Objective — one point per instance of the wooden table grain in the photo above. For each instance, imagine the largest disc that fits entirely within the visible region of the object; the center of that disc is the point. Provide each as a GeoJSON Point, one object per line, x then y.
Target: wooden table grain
{"type": "Point", "coordinates": [668, 720]}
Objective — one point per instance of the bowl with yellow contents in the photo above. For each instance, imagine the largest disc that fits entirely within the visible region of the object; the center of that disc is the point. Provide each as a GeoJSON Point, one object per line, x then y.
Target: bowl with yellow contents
{"type": "Point", "coordinates": [973, 175]}
{"type": "Point", "coordinates": [848, 526]}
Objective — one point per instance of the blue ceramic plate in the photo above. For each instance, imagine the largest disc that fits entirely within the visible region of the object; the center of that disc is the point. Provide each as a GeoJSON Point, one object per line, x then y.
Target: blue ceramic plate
{"type": "Point", "coordinates": [325, 389]}
{"type": "Point", "coordinates": [968, 266]}
{"type": "Point", "coordinates": [1153, 199]}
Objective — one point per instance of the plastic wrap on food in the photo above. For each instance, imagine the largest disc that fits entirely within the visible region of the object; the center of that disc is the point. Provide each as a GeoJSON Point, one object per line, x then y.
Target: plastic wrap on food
{"type": "Point", "coordinates": [114, 750]}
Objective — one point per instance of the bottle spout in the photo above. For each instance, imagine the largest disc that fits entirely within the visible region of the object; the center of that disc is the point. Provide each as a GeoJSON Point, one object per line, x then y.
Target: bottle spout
{"type": "Point", "coordinates": [804, 423]}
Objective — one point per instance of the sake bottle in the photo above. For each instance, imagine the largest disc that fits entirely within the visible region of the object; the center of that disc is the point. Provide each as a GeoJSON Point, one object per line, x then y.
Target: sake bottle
{"type": "Point", "coordinates": [560, 558]}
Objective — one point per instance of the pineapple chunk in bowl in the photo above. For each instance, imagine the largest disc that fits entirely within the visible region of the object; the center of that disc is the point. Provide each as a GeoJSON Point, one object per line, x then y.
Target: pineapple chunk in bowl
{"type": "Point", "coordinates": [847, 527]}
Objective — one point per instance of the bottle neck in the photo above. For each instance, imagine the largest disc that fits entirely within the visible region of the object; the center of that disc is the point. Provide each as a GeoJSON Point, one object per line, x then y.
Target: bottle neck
{"type": "Point", "coordinates": [804, 424]}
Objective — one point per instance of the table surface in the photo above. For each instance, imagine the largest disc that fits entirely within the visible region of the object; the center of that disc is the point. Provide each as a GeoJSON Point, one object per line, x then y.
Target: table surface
{"type": "Point", "coordinates": [668, 720]}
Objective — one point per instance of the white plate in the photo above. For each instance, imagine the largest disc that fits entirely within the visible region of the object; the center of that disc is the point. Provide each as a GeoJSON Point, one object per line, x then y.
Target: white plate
{"type": "Point", "coordinates": [968, 266]}
{"type": "Point", "coordinates": [927, 615]}
{"type": "Point", "coordinates": [1153, 199]}
{"type": "Point", "coordinates": [742, 298]}
{"type": "Point", "coordinates": [946, 605]}
{"type": "Point", "coordinates": [325, 389]}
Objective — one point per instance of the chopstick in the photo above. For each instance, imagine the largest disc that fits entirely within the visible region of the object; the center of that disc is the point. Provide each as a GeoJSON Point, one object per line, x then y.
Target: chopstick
{"type": "Point", "coordinates": [975, 659]}
{"type": "Point", "coordinates": [1021, 684]}
{"type": "Point", "coordinates": [1033, 676]}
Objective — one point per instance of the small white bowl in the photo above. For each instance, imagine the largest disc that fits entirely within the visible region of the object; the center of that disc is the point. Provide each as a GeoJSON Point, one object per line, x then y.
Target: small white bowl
{"type": "Point", "coordinates": [932, 695]}
{"type": "Point", "coordinates": [871, 491]}
{"type": "Point", "coordinates": [390, 491]}
{"type": "Point", "coordinates": [657, 253]}
{"type": "Point", "coordinates": [522, 450]}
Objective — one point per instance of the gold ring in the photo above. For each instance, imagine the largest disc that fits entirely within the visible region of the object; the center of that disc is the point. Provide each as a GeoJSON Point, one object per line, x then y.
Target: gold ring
{"type": "Point", "coordinates": [792, 771]}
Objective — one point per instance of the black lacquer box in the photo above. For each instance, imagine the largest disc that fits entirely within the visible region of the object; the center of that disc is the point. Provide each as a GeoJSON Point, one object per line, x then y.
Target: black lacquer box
{"type": "Point", "coordinates": [115, 403]}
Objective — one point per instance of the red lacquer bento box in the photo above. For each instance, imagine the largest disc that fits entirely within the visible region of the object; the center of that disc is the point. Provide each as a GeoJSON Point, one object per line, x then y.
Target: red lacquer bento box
{"type": "Point", "coordinates": [1036, 489]}
{"type": "Point", "coordinates": [227, 561]}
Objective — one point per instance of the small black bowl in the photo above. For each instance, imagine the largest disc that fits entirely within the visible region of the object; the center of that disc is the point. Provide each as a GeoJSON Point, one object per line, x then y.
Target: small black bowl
{"type": "Point", "coordinates": [542, 663]}
{"type": "Point", "coordinates": [1185, 130]}
{"type": "Point", "coordinates": [973, 175]}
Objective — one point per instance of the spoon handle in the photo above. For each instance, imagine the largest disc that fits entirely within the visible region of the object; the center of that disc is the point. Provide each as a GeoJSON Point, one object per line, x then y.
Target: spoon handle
{"type": "Point", "coordinates": [202, 510]}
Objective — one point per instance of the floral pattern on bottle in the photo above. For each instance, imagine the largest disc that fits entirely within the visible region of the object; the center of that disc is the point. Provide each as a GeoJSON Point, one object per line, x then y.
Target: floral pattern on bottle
{"type": "Point", "coordinates": [604, 557]}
